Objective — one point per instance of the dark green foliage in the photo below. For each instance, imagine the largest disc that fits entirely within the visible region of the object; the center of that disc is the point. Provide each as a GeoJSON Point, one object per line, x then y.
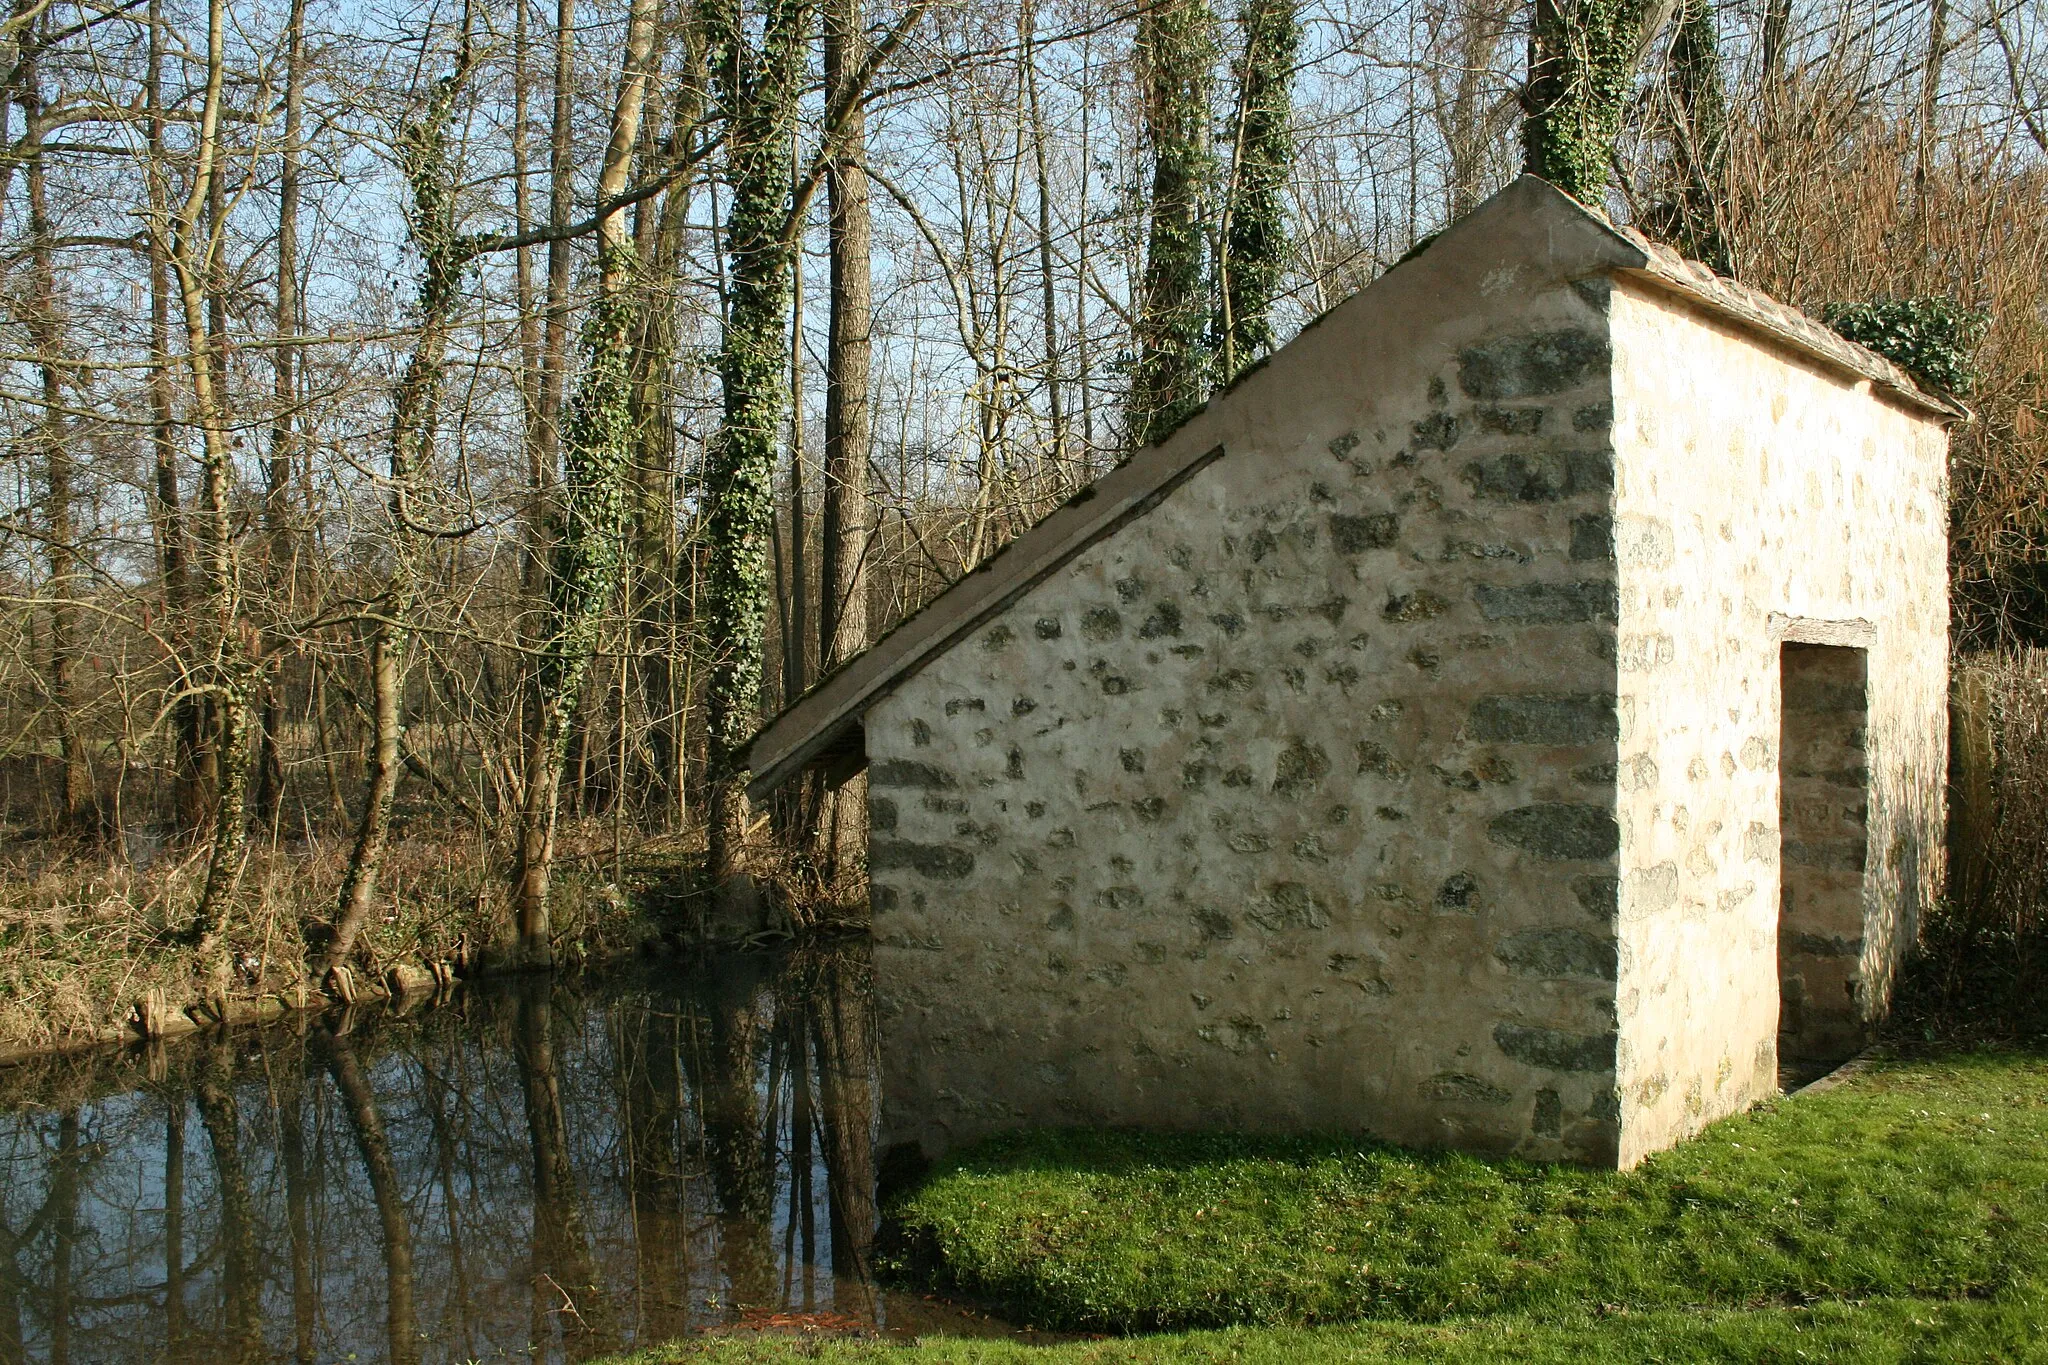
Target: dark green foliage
{"type": "Point", "coordinates": [758, 89]}
{"type": "Point", "coordinates": [1920, 1178]}
{"type": "Point", "coordinates": [1582, 70]}
{"type": "Point", "coordinates": [422, 146]}
{"type": "Point", "coordinates": [445, 257]}
{"type": "Point", "coordinates": [1931, 338]}
{"type": "Point", "coordinates": [1255, 242]}
{"type": "Point", "coordinates": [1176, 56]}
{"type": "Point", "coordinates": [597, 453]}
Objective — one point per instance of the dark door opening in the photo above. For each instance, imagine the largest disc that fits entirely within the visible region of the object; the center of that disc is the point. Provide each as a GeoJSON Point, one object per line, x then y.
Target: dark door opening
{"type": "Point", "coordinates": [1823, 810]}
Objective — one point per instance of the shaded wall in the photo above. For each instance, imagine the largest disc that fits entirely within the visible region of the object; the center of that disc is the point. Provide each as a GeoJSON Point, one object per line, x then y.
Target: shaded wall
{"type": "Point", "coordinates": [1290, 804]}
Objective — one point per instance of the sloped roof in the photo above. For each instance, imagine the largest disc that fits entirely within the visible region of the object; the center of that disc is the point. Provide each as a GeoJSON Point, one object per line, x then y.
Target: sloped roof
{"type": "Point", "coordinates": [824, 725]}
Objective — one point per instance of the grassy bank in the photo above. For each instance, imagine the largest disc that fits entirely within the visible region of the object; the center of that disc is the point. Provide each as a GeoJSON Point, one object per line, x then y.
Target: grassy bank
{"type": "Point", "coordinates": [1902, 1215]}
{"type": "Point", "coordinates": [86, 932]}
{"type": "Point", "coordinates": [1920, 1177]}
{"type": "Point", "coordinates": [1881, 1332]}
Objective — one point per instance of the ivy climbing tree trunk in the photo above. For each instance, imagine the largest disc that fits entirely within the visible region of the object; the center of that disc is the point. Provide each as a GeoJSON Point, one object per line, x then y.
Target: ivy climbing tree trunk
{"type": "Point", "coordinates": [1255, 244]}
{"type": "Point", "coordinates": [757, 88]}
{"type": "Point", "coordinates": [597, 452]}
{"type": "Point", "coordinates": [1176, 65]}
{"type": "Point", "coordinates": [423, 157]}
{"type": "Point", "coordinates": [1583, 59]}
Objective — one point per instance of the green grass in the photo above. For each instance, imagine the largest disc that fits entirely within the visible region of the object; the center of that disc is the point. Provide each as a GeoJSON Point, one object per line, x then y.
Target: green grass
{"type": "Point", "coordinates": [1925, 1177]}
{"type": "Point", "coordinates": [1885, 1332]}
{"type": "Point", "coordinates": [1900, 1216]}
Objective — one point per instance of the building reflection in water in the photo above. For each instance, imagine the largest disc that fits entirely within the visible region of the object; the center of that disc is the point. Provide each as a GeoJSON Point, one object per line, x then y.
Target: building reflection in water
{"type": "Point", "coordinates": [533, 1166]}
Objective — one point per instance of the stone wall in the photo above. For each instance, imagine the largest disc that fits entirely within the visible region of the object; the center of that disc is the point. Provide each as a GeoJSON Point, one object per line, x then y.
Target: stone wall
{"type": "Point", "coordinates": [1759, 498]}
{"type": "Point", "coordinates": [1290, 804]}
{"type": "Point", "coordinates": [1412, 767]}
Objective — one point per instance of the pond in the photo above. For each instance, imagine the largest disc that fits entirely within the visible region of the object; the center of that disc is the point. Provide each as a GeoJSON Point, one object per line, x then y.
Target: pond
{"type": "Point", "coordinates": [533, 1169]}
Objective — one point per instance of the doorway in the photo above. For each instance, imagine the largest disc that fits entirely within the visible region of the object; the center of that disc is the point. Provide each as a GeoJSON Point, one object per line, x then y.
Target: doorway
{"type": "Point", "coordinates": [1823, 815]}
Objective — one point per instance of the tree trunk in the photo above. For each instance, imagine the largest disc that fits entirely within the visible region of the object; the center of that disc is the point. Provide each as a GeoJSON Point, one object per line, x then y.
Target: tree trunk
{"type": "Point", "coordinates": [46, 335]}
{"type": "Point", "coordinates": [535, 849]}
{"type": "Point", "coordinates": [1777, 27]}
{"type": "Point", "coordinates": [795, 662]}
{"type": "Point", "coordinates": [1927, 127]}
{"type": "Point", "coordinates": [226, 673]}
{"type": "Point", "coordinates": [373, 827]}
{"type": "Point", "coordinates": [738, 1137]}
{"type": "Point", "coordinates": [1583, 57]}
{"type": "Point", "coordinates": [173, 563]}
{"type": "Point", "coordinates": [1700, 92]}
{"type": "Point", "coordinates": [298, 1198]}
{"type": "Point", "coordinates": [843, 528]}
{"type": "Point", "coordinates": [1468, 124]}
{"type": "Point", "coordinates": [174, 1222]}
{"type": "Point", "coordinates": [241, 1271]}
{"type": "Point", "coordinates": [277, 532]}
{"type": "Point", "coordinates": [651, 583]}
{"type": "Point", "coordinates": [561, 1234]}
{"type": "Point", "coordinates": [401, 1334]}
{"type": "Point", "coordinates": [596, 460]}
{"type": "Point", "coordinates": [1049, 295]}
{"type": "Point", "coordinates": [1255, 243]}
{"type": "Point", "coordinates": [843, 1030]}
{"type": "Point", "coordinates": [423, 155]}
{"type": "Point", "coordinates": [63, 1202]}
{"type": "Point", "coordinates": [759, 89]}
{"type": "Point", "coordinates": [1176, 57]}
{"type": "Point", "coordinates": [561, 202]}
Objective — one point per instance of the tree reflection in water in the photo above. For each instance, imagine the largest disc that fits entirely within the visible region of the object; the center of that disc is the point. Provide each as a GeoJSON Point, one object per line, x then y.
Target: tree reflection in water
{"type": "Point", "coordinates": [565, 1168]}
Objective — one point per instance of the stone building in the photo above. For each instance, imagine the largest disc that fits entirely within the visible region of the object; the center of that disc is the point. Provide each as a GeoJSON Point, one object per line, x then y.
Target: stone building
{"type": "Point", "coordinates": [1513, 718]}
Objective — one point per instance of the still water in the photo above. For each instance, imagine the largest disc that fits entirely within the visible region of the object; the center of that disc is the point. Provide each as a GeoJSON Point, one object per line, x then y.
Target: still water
{"type": "Point", "coordinates": [532, 1169]}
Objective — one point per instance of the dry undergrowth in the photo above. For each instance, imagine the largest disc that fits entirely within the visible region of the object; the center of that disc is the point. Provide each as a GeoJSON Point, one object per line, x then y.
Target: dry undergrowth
{"type": "Point", "coordinates": [86, 931]}
{"type": "Point", "coordinates": [1990, 943]}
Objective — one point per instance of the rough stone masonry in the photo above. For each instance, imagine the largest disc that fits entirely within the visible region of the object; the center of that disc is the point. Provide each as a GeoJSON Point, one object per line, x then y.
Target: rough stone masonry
{"type": "Point", "coordinates": [1397, 748]}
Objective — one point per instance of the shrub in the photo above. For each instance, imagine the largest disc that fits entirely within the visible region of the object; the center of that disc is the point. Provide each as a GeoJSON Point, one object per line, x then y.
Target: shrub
{"type": "Point", "coordinates": [1931, 338]}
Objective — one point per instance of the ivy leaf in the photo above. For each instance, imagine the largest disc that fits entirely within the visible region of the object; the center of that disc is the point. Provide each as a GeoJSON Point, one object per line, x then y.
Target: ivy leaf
{"type": "Point", "coordinates": [1932, 338]}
